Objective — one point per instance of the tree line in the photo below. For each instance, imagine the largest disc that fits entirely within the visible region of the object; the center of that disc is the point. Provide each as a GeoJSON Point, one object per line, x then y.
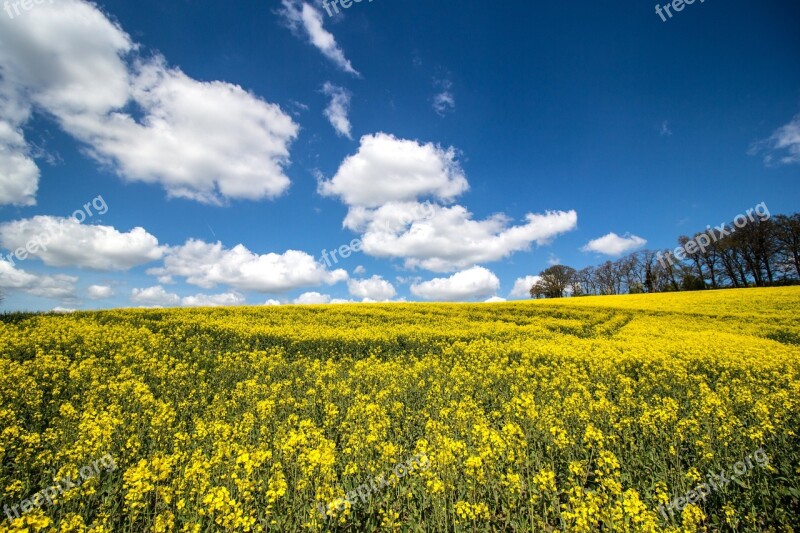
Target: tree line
{"type": "Point", "coordinates": [763, 252]}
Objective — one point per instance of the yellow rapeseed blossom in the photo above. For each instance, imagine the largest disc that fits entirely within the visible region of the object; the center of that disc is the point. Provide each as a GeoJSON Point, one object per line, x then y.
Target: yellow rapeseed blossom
{"type": "Point", "coordinates": [582, 415]}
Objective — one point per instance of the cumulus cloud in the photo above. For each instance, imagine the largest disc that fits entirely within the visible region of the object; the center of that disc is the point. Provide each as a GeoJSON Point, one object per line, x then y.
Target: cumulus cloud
{"type": "Point", "coordinates": [303, 17]}
{"type": "Point", "coordinates": [614, 245]}
{"type": "Point", "coordinates": [495, 299]}
{"type": "Point", "coordinates": [207, 265]}
{"type": "Point", "coordinates": [309, 298]}
{"type": "Point", "coordinates": [57, 287]}
{"type": "Point", "coordinates": [783, 147]}
{"type": "Point", "coordinates": [206, 141]}
{"type": "Point", "coordinates": [443, 239]}
{"type": "Point", "coordinates": [373, 289]}
{"type": "Point", "coordinates": [522, 287]}
{"type": "Point", "coordinates": [272, 301]}
{"type": "Point", "coordinates": [476, 282]}
{"type": "Point", "coordinates": [337, 109]}
{"type": "Point", "coordinates": [69, 56]}
{"type": "Point", "coordinates": [388, 169]}
{"type": "Point", "coordinates": [99, 292]}
{"type": "Point", "coordinates": [68, 243]}
{"type": "Point", "coordinates": [384, 185]}
{"type": "Point", "coordinates": [19, 174]}
{"type": "Point", "coordinates": [157, 296]}
{"type": "Point", "coordinates": [359, 270]}
{"type": "Point", "coordinates": [213, 300]}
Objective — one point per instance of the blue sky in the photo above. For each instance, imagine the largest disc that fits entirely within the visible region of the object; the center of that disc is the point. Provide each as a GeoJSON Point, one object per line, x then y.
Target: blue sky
{"type": "Point", "coordinates": [466, 145]}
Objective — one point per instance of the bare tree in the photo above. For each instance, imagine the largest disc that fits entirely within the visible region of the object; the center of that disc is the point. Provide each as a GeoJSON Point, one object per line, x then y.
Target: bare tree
{"type": "Point", "coordinates": [608, 278]}
{"type": "Point", "coordinates": [693, 255]}
{"type": "Point", "coordinates": [787, 237]}
{"type": "Point", "coordinates": [745, 241]}
{"type": "Point", "coordinates": [710, 259]}
{"type": "Point", "coordinates": [732, 262]}
{"type": "Point", "coordinates": [631, 274]}
{"type": "Point", "coordinates": [585, 278]}
{"type": "Point", "coordinates": [654, 277]}
{"type": "Point", "coordinates": [672, 271]}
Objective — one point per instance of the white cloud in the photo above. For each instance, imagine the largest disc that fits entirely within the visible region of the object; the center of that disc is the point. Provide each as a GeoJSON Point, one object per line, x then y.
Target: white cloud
{"type": "Point", "coordinates": [443, 239]}
{"type": "Point", "coordinates": [495, 299]}
{"type": "Point", "coordinates": [58, 286]}
{"type": "Point", "coordinates": [383, 183]}
{"type": "Point", "coordinates": [68, 243]}
{"type": "Point", "coordinates": [207, 265]}
{"type": "Point", "coordinates": [387, 169]}
{"type": "Point", "coordinates": [308, 298]}
{"type": "Point", "coordinates": [786, 139]}
{"type": "Point", "coordinates": [272, 302]}
{"type": "Point", "coordinates": [213, 300]}
{"type": "Point", "coordinates": [522, 287]}
{"type": "Point", "coordinates": [614, 245]}
{"type": "Point", "coordinates": [337, 109]}
{"type": "Point", "coordinates": [301, 14]}
{"type": "Point", "coordinates": [665, 130]}
{"type": "Point", "coordinates": [99, 292]}
{"type": "Point", "coordinates": [207, 141]}
{"type": "Point", "coordinates": [155, 295]}
{"type": "Point", "coordinates": [476, 282]}
{"type": "Point", "coordinates": [444, 101]}
{"type": "Point", "coordinates": [375, 288]}
{"type": "Point", "coordinates": [69, 55]}
{"type": "Point", "coordinates": [359, 270]}
{"type": "Point", "coordinates": [19, 175]}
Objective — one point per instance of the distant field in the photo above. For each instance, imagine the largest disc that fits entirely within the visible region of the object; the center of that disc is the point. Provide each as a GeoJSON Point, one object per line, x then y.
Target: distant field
{"type": "Point", "coordinates": [582, 415]}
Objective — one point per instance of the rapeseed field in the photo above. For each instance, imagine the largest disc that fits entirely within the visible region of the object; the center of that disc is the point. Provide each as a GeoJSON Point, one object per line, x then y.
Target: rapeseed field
{"type": "Point", "coordinates": [586, 414]}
